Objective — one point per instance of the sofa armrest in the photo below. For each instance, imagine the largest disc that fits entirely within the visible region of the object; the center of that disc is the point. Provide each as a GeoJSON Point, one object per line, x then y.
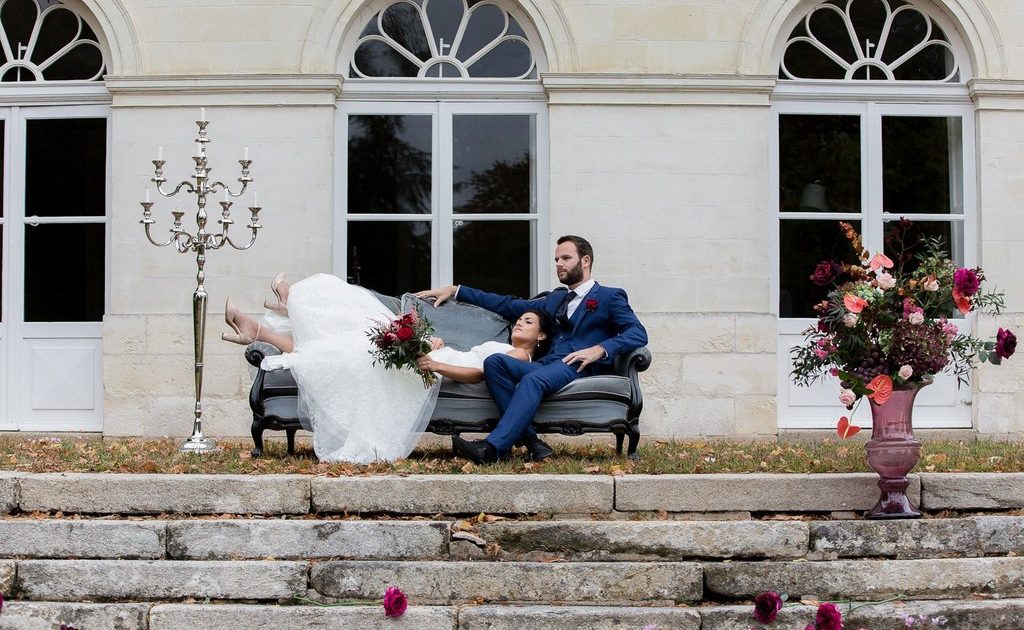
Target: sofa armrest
{"type": "Point", "coordinates": [637, 360]}
{"type": "Point", "coordinates": [256, 351]}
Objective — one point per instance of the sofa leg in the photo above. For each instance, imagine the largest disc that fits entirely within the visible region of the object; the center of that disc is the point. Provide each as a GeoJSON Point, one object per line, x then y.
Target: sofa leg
{"type": "Point", "coordinates": [634, 441]}
{"type": "Point", "coordinates": [291, 441]}
{"type": "Point", "coordinates": [257, 436]}
{"type": "Point", "coordinates": [620, 437]}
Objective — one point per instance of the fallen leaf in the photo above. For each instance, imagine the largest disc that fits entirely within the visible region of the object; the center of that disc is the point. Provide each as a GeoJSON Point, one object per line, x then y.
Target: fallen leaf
{"type": "Point", "coordinates": [468, 468]}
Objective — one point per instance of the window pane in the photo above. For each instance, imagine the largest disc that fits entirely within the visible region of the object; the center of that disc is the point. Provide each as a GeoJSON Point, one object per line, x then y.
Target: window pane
{"type": "Point", "coordinates": [496, 256]}
{"type": "Point", "coordinates": [493, 164]}
{"type": "Point", "coordinates": [819, 163]}
{"type": "Point", "coordinates": [64, 272]}
{"type": "Point", "coordinates": [922, 165]}
{"type": "Point", "coordinates": [1, 272]}
{"type": "Point", "coordinates": [511, 58]}
{"type": "Point", "coordinates": [802, 245]}
{"type": "Point", "coordinates": [389, 164]}
{"type": "Point", "coordinates": [3, 166]}
{"type": "Point", "coordinates": [391, 257]}
{"type": "Point", "coordinates": [951, 233]}
{"type": "Point", "coordinates": [76, 148]}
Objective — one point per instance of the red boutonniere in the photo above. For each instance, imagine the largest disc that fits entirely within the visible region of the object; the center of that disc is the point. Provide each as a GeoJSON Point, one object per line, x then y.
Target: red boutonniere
{"type": "Point", "coordinates": [591, 305]}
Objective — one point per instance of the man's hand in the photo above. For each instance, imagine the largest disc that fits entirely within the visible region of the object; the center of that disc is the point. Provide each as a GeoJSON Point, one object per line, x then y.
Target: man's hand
{"type": "Point", "coordinates": [440, 296]}
{"type": "Point", "coordinates": [585, 357]}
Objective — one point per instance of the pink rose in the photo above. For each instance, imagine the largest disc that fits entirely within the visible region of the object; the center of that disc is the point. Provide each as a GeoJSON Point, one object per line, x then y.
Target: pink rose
{"type": "Point", "coordinates": [1006, 343]}
{"type": "Point", "coordinates": [395, 602]}
{"type": "Point", "coordinates": [828, 617]}
{"type": "Point", "coordinates": [906, 372]}
{"type": "Point", "coordinates": [931, 284]}
{"type": "Point", "coordinates": [917, 317]}
{"type": "Point", "coordinates": [847, 397]}
{"type": "Point", "coordinates": [967, 281]}
{"type": "Point", "coordinates": [850, 320]}
{"type": "Point", "coordinates": [767, 607]}
{"type": "Point", "coordinates": [885, 281]}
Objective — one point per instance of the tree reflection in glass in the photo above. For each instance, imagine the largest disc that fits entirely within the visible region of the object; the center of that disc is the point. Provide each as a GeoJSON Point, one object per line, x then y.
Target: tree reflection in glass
{"type": "Point", "coordinates": [389, 164]}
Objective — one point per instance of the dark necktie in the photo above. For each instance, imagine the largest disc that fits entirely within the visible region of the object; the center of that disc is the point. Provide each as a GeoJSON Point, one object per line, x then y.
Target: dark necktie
{"type": "Point", "coordinates": [562, 314]}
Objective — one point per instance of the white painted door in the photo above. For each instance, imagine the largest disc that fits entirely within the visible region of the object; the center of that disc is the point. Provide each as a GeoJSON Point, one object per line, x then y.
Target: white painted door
{"type": "Point", "coordinates": [55, 201]}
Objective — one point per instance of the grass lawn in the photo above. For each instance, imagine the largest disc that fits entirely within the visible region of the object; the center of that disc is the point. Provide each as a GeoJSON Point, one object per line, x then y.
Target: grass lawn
{"type": "Point", "coordinates": [656, 457]}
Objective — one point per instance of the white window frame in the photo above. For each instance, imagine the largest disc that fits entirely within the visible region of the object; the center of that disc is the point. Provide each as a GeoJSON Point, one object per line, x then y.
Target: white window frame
{"type": "Point", "coordinates": [441, 216]}
{"type": "Point", "coordinates": [871, 103]}
{"type": "Point", "coordinates": [13, 330]}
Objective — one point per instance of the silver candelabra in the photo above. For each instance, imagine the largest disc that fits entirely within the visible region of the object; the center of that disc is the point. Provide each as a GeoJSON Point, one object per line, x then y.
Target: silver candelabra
{"type": "Point", "coordinates": [200, 242]}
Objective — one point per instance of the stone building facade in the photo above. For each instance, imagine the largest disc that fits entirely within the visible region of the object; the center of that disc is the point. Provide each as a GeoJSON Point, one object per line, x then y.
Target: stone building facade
{"type": "Point", "coordinates": [686, 139]}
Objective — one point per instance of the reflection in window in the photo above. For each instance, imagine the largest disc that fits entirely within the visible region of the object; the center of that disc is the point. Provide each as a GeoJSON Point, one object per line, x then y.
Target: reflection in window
{"type": "Point", "coordinates": [447, 39]}
{"type": "Point", "coordinates": [804, 244]}
{"type": "Point", "coordinates": [391, 257]}
{"type": "Point", "coordinates": [819, 159]}
{"type": "Point", "coordinates": [493, 164]}
{"type": "Point", "coordinates": [64, 272]}
{"type": "Point", "coordinates": [497, 255]}
{"type": "Point", "coordinates": [47, 44]}
{"type": "Point", "coordinates": [922, 164]}
{"type": "Point", "coordinates": [389, 164]}
{"type": "Point", "coordinates": [869, 40]}
{"type": "Point", "coordinates": [78, 147]}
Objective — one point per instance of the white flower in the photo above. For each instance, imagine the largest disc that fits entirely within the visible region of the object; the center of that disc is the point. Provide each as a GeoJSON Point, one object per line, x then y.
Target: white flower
{"type": "Point", "coordinates": [917, 317]}
{"type": "Point", "coordinates": [931, 284]}
{"type": "Point", "coordinates": [847, 397]}
{"type": "Point", "coordinates": [906, 372]}
{"type": "Point", "coordinates": [886, 281]}
{"type": "Point", "coordinates": [850, 320]}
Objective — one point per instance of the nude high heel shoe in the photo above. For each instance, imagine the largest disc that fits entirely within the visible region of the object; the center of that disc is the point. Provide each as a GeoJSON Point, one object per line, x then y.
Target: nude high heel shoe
{"type": "Point", "coordinates": [275, 286]}
{"type": "Point", "coordinates": [277, 307]}
{"type": "Point", "coordinates": [230, 315]}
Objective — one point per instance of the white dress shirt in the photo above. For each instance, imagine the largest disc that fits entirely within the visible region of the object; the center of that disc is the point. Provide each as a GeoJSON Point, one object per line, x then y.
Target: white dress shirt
{"type": "Point", "coordinates": [581, 292]}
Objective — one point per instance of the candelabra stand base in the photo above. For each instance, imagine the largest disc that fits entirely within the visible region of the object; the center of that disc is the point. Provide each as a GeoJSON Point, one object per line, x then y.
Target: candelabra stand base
{"type": "Point", "coordinates": [197, 443]}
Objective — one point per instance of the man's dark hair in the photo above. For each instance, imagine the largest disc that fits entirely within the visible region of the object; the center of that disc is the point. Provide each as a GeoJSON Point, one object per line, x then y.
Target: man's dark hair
{"type": "Point", "coordinates": [583, 247]}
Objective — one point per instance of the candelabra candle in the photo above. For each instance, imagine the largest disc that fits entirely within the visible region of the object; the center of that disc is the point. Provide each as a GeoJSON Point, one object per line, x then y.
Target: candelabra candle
{"type": "Point", "coordinates": [200, 241]}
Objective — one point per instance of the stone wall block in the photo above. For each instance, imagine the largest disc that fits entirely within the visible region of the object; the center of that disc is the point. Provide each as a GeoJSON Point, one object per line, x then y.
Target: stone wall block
{"type": "Point", "coordinates": [153, 494]}
{"type": "Point", "coordinates": [972, 491]}
{"type": "Point", "coordinates": [652, 540]}
{"type": "Point", "coordinates": [589, 617]}
{"type": "Point", "coordinates": [454, 494]}
{"type": "Point", "coordinates": [444, 582]}
{"type": "Point", "coordinates": [226, 539]}
{"type": "Point", "coordinates": [19, 615]}
{"type": "Point", "coordinates": [75, 580]}
{"type": "Point", "coordinates": [6, 576]}
{"type": "Point", "coordinates": [930, 538]}
{"type": "Point", "coordinates": [9, 492]}
{"type": "Point", "coordinates": [751, 492]}
{"type": "Point", "coordinates": [1000, 534]}
{"type": "Point", "coordinates": [227, 616]}
{"type": "Point", "coordinates": [82, 539]}
{"type": "Point", "coordinates": [869, 579]}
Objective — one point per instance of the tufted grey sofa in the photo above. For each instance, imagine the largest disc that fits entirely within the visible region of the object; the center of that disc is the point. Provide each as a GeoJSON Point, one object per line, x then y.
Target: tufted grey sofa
{"type": "Point", "coordinates": [605, 403]}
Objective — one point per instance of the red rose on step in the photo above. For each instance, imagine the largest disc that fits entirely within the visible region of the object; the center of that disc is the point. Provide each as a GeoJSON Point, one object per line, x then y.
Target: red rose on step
{"type": "Point", "coordinates": [395, 602]}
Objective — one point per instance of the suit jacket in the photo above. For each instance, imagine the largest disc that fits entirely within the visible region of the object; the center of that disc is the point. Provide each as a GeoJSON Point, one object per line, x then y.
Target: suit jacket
{"type": "Point", "coordinates": [603, 318]}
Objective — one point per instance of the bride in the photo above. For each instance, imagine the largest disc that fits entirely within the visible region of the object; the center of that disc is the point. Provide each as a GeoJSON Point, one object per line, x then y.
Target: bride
{"type": "Point", "coordinates": [360, 412]}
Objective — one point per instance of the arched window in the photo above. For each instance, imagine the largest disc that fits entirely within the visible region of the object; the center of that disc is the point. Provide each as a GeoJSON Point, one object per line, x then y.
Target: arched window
{"type": "Point", "coordinates": [873, 122]}
{"type": "Point", "coordinates": [53, 217]}
{"type": "Point", "coordinates": [443, 152]}
{"type": "Point", "coordinates": [46, 41]}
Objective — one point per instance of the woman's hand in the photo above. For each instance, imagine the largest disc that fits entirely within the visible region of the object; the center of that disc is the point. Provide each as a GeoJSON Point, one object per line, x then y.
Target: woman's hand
{"type": "Point", "coordinates": [426, 364]}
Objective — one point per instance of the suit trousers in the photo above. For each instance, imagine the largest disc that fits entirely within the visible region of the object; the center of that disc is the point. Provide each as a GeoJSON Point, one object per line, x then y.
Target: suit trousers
{"type": "Point", "coordinates": [518, 387]}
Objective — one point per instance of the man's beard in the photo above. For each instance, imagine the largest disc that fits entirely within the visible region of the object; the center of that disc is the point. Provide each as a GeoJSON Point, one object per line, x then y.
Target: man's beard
{"type": "Point", "coordinates": [574, 275]}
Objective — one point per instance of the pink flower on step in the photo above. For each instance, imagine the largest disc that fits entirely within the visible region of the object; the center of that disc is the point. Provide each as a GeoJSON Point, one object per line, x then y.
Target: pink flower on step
{"type": "Point", "coordinates": [395, 602]}
{"type": "Point", "coordinates": [828, 617]}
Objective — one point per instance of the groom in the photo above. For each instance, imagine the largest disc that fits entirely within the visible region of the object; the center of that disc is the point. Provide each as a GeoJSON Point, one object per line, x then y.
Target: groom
{"type": "Point", "coordinates": [592, 324]}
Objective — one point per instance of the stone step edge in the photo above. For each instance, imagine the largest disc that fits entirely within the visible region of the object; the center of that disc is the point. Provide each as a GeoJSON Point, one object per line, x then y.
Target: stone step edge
{"type": "Point", "coordinates": [162, 616]}
{"type": "Point", "coordinates": [92, 493]}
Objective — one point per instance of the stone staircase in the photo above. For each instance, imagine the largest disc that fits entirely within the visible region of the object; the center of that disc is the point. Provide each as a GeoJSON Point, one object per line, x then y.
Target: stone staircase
{"type": "Point", "coordinates": [475, 552]}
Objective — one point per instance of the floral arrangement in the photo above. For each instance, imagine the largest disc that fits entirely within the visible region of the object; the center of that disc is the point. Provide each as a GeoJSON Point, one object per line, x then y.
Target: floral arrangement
{"type": "Point", "coordinates": [885, 323]}
{"type": "Point", "coordinates": [398, 342]}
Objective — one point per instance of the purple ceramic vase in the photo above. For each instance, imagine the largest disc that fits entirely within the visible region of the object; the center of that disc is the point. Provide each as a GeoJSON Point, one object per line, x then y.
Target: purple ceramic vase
{"type": "Point", "coordinates": [893, 451]}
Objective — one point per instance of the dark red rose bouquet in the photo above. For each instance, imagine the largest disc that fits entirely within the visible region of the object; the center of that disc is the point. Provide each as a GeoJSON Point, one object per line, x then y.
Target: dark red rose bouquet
{"type": "Point", "coordinates": [398, 342]}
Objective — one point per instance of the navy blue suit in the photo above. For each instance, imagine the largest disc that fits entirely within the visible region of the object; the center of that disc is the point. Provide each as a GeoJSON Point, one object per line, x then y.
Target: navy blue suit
{"type": "Point", "coordinates": [603, 318]}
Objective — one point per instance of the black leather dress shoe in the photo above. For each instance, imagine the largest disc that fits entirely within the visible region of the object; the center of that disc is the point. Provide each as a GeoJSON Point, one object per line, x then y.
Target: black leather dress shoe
{"type": "Point", "coordinates": [476, 451]}
{"type": "Point", "coordinates": [537, 450]}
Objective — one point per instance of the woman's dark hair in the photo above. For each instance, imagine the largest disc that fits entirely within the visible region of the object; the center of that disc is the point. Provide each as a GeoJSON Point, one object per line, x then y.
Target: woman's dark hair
{"type": "Point", "coordinates": [547, 326]}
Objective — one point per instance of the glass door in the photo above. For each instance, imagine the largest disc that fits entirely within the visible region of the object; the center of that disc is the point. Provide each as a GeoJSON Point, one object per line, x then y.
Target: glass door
{"type": "Point", "coordinates": [55, 284]}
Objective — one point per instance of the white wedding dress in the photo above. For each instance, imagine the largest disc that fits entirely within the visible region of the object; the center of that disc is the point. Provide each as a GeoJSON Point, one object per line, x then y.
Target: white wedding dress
{"type": "Point", "coordinates": [358, 412]}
